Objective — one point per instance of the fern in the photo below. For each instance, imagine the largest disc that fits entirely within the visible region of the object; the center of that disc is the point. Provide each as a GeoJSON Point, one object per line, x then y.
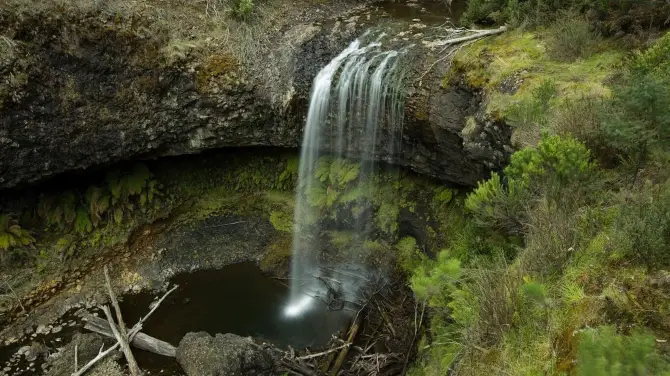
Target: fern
{"type": "Point", "coordinates": [12, 235]}
{"type": "Point", "coordinates": [322, 170]}
{"type": "Point", "coordinates": [348, 173]}
{"type": "Point", "coordinates": [68, 205]}
{"type": "Point", "coordinates": [82, 222]}
{"type": "Point", "coordinates": [98, 201]}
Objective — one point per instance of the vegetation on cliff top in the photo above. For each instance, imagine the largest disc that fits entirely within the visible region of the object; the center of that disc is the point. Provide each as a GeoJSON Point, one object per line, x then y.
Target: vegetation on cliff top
{"type": "Point", "coordinates": [574, 280]}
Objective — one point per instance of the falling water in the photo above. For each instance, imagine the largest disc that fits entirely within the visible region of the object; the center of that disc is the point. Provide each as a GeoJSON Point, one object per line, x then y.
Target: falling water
{"type": "Point", "coordinates": [354, 98]}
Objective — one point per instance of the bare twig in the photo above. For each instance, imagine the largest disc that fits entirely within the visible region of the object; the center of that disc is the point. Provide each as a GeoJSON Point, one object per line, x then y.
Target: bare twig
{"type": "Point", "coordinates": [76, 351]}
{"type": "Point", "coordinates": [123, 341]}
{"type": "Point", "coordinates": [131, 334]}
{"type": "Point", "coordinates": [312, 356]}
{"type": "Point", "coordinates": [101, 355]}
{"type": "Point", "coordinates": [115, 304]}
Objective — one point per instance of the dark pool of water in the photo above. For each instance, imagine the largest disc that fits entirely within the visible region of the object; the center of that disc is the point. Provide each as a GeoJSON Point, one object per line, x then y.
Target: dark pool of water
{"type": "Point", "coordinates": [237, 299]}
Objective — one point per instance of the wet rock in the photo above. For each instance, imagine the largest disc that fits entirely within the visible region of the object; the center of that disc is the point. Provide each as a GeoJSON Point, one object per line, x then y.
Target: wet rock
{"type": "Point", "coordinates": [200, 354]}
{"type": "Point", "coordinates": [35, 350]}
{"type": "Point", "coordinates": [146, 110]}
{"type": "Point", "coordinates": [88, 345]}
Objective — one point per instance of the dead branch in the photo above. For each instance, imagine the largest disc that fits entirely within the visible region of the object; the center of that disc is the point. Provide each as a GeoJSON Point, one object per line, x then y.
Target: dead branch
{"type": "Point", "coordinates": [101, 355]}
{"type": "Point", "coordinates": [123, 341]}
{"type": "Point", "coordinates": [115, 304]}
{"type": "Point", "coordinates": [476, 34]}
{"type": "Point", "coordinates": [345, 350]}
{"type": "Point", "coordinates": [76, 351]}
{"type": "Point", "coordinates": [322, 353]}
{"type": "Point", "coordinates": [141, 340]}
{"type": "Point", "coordinates": [416, 331]}
{"type": "Point", "coordinates": [131, 335]}
{"type": "Point", "coordinates": [386, 318]}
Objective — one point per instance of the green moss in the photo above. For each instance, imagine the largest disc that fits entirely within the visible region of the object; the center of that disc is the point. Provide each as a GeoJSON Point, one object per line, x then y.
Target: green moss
{"type": "Point", "coordinates": [215, 68]}
{"type": "Point", "coordinates": [281, 221]}
{"type": "Point", "coordinates": [278, 255]}
{"type": "Point", "coordinates": [519, 60]}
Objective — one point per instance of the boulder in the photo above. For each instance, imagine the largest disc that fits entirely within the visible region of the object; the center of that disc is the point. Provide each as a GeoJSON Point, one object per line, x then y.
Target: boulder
{"type": "Point", "coordinates": [200, 354]}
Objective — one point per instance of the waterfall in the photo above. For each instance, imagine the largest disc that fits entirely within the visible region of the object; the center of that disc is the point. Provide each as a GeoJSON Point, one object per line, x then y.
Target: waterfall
{"type": "Point", "coordinates": [354, 99]}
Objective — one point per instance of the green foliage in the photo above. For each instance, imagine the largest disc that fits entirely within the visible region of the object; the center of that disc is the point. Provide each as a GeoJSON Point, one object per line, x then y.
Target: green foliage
{"type": "Point", "coordinates": [12, 235]}
{"type": "Point", "coordinates": [532, 111]}
{"type": "Point", "coordinates": [387, 217]}
{"type": "Point", "coordinates": [555, 163]}
{"type": "Point", "coordinates": [610, 17]}
{"type": "Point", "coordinates": [281, 221]}
{"type": "Point", "coordinates": [638, 118]}
{"type": "Point", "coordinates": [655, 60]}
{"type": "Point", "coordinates": [496, 206]}
{"type": "Point", "coordinates": [289, 176]}
{"type": "Point", "coordinates": [443, 195]}
{"type": "Point", "coordinates": [571, 37]}
{"type": "Point", "coordinates": [82, 222]}
{"type": "Point", "coordinates": [642, 229]}
{"type": "Point", "coordinates": [436, 282]}
{"type": "Point", "coordinates": [409, 254]}
{"type": "Point", "coordinates": [242, 9]}
{"type": "Point", "coordinates": [603, 352]}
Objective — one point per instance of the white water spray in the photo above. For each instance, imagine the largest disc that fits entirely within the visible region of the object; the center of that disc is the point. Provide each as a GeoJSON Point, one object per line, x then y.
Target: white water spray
{"type": "Point", "coordinates": [364, 101]}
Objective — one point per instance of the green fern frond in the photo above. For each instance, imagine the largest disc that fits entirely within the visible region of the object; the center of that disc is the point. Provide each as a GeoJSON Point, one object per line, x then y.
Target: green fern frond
{"type": "Point", "coordinates": [322, 170]}
{"type": "Point", "coordinates": [68, 204]}
{"type": "Point", "coordinates": [348, 173]}
{"type": "Point", "coordinates": [82, 223]}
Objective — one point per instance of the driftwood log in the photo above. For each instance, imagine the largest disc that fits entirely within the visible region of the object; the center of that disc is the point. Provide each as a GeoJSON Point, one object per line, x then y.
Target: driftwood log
{"type": "Point", "coordinates": [141, 340]}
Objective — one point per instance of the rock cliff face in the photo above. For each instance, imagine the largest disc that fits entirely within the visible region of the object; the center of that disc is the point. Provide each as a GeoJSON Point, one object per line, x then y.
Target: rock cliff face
{"type": "Point", "coordinates": [87, 85]}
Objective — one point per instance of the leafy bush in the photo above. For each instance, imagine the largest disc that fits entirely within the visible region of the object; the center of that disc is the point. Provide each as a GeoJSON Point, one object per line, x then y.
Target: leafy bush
{"type": "Point", "coordinates": [12, 235]}
{"type": "Point", "coordinates": [242, 9]}
{"type": "Point", "coordinates": [555, 163]}
{"type": "Point", "coordinates": [642, 230]}
{"type": "Point", "coordinates": [571, 37]}
{"type": "Point", "coordinates": [500, 207]}
{"type": "Point", "coordinates": [637, 121]}
{"type": "Point", "coordinates": [603, 352]}
{"type": "Point", "coordinates": [581, 118]}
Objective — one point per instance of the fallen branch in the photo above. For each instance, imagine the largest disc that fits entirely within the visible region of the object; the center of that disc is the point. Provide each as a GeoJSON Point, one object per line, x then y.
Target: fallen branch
{"type": "Point", "coordinates": [312, 356]}
{"type": "Point", "coordinates": [476, 34]}
{"type": "Point", "coordinates": [123, 342]}
{"type": "Point", "coordinates": [141, 340]}
{"type": "Point", "coordinates": [101, 355]}
{"type": "Point", "coordinates": [345, 350]}
{"type": "Point", "coordinates": [131, 335]}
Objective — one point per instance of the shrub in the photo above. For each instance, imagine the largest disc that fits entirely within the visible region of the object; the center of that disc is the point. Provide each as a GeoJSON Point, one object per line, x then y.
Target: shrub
{"type": "Point", "coordinates": [496, 206]}
{"type": "Point", "coordinates": [642, 230]}
{"type": "Point", "coordinates": [12, 235]}
{"type": "Point", "coordinates": [603, 352]}
{"type": "Point", "coordinates": [555, 163]}
{"type": "Point", "coordinates": [571, 37]}
{"type": "Point", "coordinates": [242, 9]}
{"type": "Point", "coordinates": [580, 118]}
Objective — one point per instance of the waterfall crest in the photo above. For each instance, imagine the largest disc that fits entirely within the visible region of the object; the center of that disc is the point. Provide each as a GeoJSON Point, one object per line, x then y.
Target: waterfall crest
{"type": "Point", "coordinates": [353, 99]}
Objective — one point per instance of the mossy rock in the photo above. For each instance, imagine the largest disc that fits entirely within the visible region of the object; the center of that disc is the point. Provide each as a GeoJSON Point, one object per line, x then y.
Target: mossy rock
{"type": "Point", "coordinates": [216, 69]}
{"type": "Point", "coordinates": [277, 255]}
